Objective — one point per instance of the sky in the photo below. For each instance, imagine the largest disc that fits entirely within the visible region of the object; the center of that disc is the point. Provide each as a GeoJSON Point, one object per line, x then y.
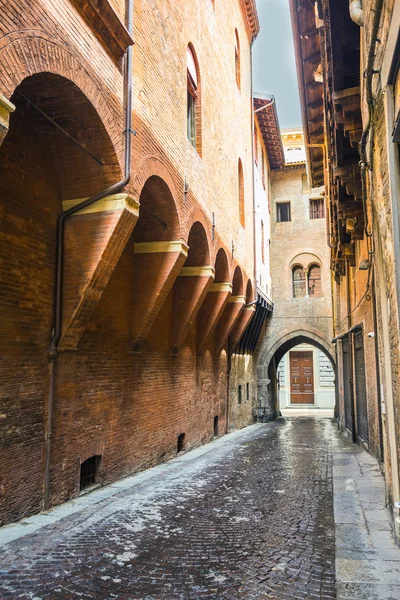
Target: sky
{"type": "Point", "coordinates": [274, 68]}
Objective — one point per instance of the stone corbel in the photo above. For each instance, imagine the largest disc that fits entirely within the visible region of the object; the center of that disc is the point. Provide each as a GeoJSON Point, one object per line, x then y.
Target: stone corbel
{"type": "Point", "coordinates": [6, 108]}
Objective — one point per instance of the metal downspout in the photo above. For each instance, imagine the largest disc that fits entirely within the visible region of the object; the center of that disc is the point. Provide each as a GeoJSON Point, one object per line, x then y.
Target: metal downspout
{"type": "Point", "coordinates": [58, 291]}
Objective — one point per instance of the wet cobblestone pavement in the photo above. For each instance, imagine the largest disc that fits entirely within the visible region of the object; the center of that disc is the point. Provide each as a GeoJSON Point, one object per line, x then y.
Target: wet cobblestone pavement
{"type": "Point", "coordinates": [250, 519]}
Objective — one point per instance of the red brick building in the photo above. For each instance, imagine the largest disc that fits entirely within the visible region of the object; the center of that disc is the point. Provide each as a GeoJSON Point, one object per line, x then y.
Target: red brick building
{"type": "Point", "coordinates": [152, 274]}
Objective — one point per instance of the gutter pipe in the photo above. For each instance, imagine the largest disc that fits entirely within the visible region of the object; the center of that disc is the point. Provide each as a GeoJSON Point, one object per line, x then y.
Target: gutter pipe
{"type": "Point", "coordinates": [356, 12]}
{"type": "Point", "coordinates": [58, 291]}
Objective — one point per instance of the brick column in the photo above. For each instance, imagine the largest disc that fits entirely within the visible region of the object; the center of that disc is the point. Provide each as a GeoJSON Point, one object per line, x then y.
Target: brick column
{"type": "Point", "coordinates": [227, 321]}
{"type": "Point", "coordinates": [190, 291]}
{"type": "Point", "coordinates": [210, 312]}
{"type": "Point", "coordinates": [157, 265]}
{"type": "Point", "coordinates": [94, 240]}
{"type": "Point", "coordinates": [241, 325]}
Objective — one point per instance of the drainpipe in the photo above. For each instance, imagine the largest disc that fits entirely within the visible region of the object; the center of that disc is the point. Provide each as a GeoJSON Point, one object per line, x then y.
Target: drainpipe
{"type": "Point", "coordinates": [377, 371]}
{"type": "Point", "coordinates": [253, 132]}
{"type": "Point", "coordinates": [356, 12]}
{"type": "Point", "coordinates": [58, 291]}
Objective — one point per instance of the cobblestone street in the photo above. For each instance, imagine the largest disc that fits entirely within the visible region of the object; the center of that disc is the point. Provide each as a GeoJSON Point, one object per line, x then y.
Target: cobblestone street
{"type": "Point", "coordinates": [247, 516]}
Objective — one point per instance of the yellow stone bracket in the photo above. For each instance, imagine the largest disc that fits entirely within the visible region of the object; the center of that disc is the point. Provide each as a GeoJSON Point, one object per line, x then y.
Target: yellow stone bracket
{"type": "Point", "coordinates": [6, 108]}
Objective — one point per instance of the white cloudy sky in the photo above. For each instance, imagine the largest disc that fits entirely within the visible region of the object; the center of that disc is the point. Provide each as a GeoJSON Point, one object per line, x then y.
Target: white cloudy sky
{"type": "Point", "coordinates": [274, 70]}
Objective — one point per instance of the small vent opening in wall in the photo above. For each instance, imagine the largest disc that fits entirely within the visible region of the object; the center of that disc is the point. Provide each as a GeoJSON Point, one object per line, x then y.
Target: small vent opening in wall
{"type": "Point", "coordinates": [89, 472]}
{"type": "Point", "coordinates": [181, 442]}
{"type": "Point", "coordinates": [215, 426]}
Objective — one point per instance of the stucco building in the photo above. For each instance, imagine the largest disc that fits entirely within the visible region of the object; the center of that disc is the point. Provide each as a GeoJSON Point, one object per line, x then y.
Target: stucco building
{"type": "Point", "coordinates": [126, 235]}
{"type": "Point", "coordinates": [301, 291]}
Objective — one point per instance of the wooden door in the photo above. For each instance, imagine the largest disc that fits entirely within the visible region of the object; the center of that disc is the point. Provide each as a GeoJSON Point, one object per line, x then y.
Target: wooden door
{"type": "Point", "coordinates": [301, 378]}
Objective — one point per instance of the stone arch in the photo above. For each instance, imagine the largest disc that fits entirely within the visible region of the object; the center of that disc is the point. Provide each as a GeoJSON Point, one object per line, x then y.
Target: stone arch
{"type": "Point", "coordinates": [268, 361]}
{"type": "Point", "coordinates": [37, 53]}
{"type": "Point", "coordinates": [289, 339]}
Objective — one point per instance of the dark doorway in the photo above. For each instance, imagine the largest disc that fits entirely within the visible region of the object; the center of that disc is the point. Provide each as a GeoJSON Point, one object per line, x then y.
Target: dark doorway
{"type": "Point", "coordinates": [215, 426]}
{"type": "Point", "coordinates": [181, 443]}
{"type": "Point", "coordinates": [348, 416]}
{"type": "Point", "coordinates": [361, 388]}
{"type": "Point", "coordinates": [89, 472]}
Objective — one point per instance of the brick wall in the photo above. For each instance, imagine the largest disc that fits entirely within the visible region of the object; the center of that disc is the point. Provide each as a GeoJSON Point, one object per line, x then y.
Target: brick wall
{"type": "Point", "coordinates": [118, 394]}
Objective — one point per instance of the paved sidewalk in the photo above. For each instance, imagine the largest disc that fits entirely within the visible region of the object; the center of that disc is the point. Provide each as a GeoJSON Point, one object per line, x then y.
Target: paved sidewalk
{"type": "Point", "coordinates": [367, 559]}
{"type": "Point", "coordinates": [249, 516]}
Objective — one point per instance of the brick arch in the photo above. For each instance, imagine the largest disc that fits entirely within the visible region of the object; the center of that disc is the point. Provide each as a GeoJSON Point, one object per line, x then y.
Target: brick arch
{"type": "Point", "coordinates": [39, 52]}
{"type": "Point", "coordinates": [303, 259]}
{"type": "Point", "coordinates": [158, 213]}
{"type": "Point", "coordinates": [61, 99]}
{"type": "Point", "coordinates": [249, 291]}
{"type": "Point", "coordinates": [297, 259]}
{"type": "Point", "coordinates": [222, 270]}
{"type": "Point", "coordinates": [237, 282]}
{"type": "Point", "coordinates": [199, 249]}
{"type": "Point", "coordinates": [197, 215]}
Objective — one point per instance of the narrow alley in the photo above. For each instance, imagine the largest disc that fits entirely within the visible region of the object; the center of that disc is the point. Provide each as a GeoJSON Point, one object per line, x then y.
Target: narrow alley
{"type": "Point", "coordinates": [249, 515]}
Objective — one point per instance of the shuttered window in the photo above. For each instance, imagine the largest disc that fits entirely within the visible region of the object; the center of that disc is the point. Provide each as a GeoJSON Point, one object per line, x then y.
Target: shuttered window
{"type": "Point", "coordinates": [317, 209]}
{"type": "Point", "coordinates": [361, 388]}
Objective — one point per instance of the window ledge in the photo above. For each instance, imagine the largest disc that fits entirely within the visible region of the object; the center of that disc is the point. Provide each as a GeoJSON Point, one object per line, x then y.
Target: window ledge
{"type": "Point", "coordinates": [102, 18]}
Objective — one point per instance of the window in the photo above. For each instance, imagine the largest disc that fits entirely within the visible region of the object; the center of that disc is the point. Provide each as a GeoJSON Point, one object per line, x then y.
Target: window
{"type": "Point", "coordinates": [299, 282]}
{"type": "Point", "coordinates": [283, 212]}
{"type": "Point", "coordinates": [237, 59]}
{"type": "Point", "coordinates": [241, 193]}
{"type": "Point", "coordinates": [314, 281]}
{"type": "Point", "coordinates": [193, 98]}
{"type": "Point", "coordinates": [181, 443]}
{"type": "Point", "coordinates": [89, 472]}
{"type": "Point", "coordinates": [255, 145]}
{"type": "Point", "coordinates": [247, 392]}
{"type": "Point", "coordinates": [317, 209]}
{"type": "Point", "coordinates": [262, 243]}
{"type": "Point", "coordinates": [239, 394]}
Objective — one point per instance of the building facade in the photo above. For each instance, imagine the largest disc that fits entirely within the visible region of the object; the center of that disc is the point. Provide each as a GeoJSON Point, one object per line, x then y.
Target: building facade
{"type": "Point", "coordinates": [301, 290]}
{"type": "Point", "coordinates": [126, 235]}
{"type": "Point", "coordinates": [268, 155]}
{"type": "Point", "coordinates": [348, 67]}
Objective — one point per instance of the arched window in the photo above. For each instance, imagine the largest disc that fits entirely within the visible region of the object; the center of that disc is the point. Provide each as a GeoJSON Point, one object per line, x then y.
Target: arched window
{"type": "Point", "coordinates": [237, 59]}
{"type": "Point", "coordinates": [262, 243]}
{"type": "Point", "coordinates": [314, 281]}
{"type": "Point", "coordinates": [241, 193]}
{"type": "Point", "coordinates": [299, 282]}
{"type": "Point", "coordinates": [193, 100]}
